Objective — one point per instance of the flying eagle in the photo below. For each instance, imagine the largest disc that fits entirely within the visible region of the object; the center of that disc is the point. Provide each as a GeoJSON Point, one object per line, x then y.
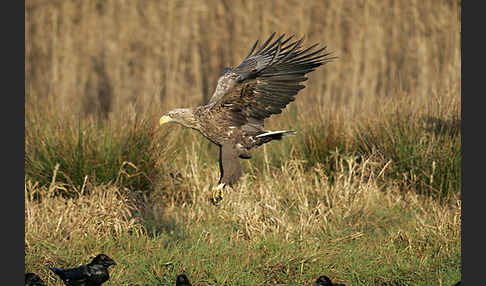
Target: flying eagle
{"type": "Point", "coordinates": [264, 83]}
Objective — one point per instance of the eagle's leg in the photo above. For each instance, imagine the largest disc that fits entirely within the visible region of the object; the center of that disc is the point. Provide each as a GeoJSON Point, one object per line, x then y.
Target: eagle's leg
{"type": "Point", "coordinates": [230, 168]}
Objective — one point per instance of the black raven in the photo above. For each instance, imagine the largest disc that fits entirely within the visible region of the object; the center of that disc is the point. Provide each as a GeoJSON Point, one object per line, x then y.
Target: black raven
{"type": "Point", "coordinates": [93, 274]}
{"type": "Point", "coordinates": [325, 281]}
{"type": "Point", "coordinates": [182, 280]}
{"type": "Point", "coordinates": [32, 279]}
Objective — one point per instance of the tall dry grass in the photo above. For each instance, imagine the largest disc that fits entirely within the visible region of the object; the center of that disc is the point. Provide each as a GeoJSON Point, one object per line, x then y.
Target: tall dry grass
{"type": "Point", "coordinates": [285, 226]}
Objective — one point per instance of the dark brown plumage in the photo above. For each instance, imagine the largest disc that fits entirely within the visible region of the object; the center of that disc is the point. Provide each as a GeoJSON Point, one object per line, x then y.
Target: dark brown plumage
{"type": "Point", "coordinates": [263, 84]}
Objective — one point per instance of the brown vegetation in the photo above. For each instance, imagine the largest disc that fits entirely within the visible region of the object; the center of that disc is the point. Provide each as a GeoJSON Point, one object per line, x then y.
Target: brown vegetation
{"type": "Point", "coordinates": [113, 55]}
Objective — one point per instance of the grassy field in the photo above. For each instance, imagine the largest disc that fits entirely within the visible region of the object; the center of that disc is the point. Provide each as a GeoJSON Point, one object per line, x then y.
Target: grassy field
{"type": "Point", "coordinates": [367, 193]}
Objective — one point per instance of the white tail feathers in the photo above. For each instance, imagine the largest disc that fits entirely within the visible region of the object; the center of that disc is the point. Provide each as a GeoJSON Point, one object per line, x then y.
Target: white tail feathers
{"type": "Point", "coordinates": [277, 134]}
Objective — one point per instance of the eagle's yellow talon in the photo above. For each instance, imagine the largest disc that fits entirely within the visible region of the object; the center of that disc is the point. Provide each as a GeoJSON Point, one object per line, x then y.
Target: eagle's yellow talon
{"type": "Point", "coordinates": [217, 195]}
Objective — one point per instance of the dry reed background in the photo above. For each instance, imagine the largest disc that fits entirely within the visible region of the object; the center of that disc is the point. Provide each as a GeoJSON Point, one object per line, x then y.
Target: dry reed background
{"type": "Point", "coordinates": [126, 62]}
{"type": "Point", "coordinates": [107, 55]}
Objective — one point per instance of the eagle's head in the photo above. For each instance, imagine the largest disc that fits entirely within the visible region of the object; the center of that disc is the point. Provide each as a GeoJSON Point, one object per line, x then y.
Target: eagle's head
{"type": "Point", "coordinates": [182, 116]}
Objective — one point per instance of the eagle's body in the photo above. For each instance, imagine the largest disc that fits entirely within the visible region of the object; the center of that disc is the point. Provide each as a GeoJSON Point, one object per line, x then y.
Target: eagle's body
{"type": "Point", "coordinates": [262, 85]}
{"type": "Point", "coordinates": [219, 131]}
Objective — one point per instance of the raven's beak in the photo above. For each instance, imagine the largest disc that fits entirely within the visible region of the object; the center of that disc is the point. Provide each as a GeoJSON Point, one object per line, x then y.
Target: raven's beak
{"type": "Point", "coordinates": [165, 119]}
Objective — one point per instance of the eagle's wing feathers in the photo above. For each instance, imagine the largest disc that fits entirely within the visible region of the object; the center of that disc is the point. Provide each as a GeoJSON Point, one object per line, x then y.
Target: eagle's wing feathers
{"type": "Point", "coordinates": [266, 81]}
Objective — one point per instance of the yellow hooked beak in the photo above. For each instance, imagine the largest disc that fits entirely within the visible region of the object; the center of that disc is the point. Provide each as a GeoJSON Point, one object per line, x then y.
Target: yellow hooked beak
{"type": "Point", "coordinates": [165, 119]}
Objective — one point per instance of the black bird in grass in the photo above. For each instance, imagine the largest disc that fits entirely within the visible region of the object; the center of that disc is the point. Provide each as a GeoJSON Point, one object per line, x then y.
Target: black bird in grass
{"type": "Point", "coordinates": [325, 281]}
{"type": "Point", "coordinates": [93, 274]}
{"type": "Point", "coordinates": [262, 85]}
{"type": "Point", "coordinates": [32, 279]}
{"type": "Point", "coordinates": [182, 280]}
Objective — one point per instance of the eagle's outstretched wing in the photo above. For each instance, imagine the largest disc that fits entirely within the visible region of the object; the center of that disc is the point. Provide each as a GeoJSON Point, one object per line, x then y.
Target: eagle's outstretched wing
{"type": "Point", "coordinates": [265, 82]}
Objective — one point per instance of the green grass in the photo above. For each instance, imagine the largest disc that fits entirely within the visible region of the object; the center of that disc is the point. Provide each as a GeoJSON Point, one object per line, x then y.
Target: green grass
{"type": "Point", "coordinates": [211, 254]}
{"type": "Point", "coordinates": [420, 156]}
{"type": "Point", "coordinates": [285, 224]}
{"type": "Point", "coordinates": [99, 151]}
{"type": "Point", "coordinates": [425, 154]}
{"type": "Point", "coordinates": [375, 204]}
